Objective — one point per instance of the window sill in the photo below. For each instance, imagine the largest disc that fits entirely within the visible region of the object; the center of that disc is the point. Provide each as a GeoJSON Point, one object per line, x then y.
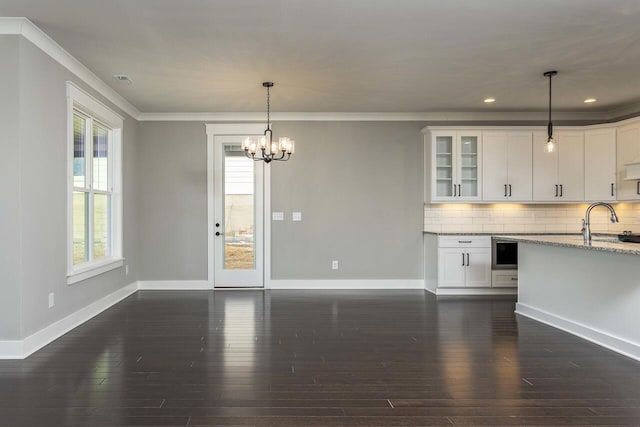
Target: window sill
{"type": "Point", "coordinates": [94, 269]}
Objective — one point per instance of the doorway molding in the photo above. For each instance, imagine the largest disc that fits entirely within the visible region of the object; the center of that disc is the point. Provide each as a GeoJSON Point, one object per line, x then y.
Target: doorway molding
{"type": "Point", "coordinates": [236, 129]}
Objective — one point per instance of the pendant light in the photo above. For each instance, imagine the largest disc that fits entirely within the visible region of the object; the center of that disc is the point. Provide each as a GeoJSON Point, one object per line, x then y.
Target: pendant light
{"type": "Point", "coordinates": [264, 149]}
{"type": "Point", "coordinates": [550, 145]}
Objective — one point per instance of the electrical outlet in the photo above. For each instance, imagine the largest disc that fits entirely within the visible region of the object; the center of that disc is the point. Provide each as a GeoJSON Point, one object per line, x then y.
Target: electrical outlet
{"type": "Point", "coordinates": [296, 216]}
{"type": "Point", "coordinates": [334, 265]}
{"type": "Point", "coordinates": [51, 300]}
{"type": "Point", "coordinates": [277, 216]}
{"type": "Point", "coordinates": [126, 270]}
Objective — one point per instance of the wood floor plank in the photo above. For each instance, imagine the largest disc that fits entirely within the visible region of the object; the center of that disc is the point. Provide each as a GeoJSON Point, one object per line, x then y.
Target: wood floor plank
{"type": "Point", "coordinates": [317, 358]}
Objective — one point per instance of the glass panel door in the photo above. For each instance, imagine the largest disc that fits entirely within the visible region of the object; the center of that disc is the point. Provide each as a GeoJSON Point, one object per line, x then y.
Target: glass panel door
{"type": "Point", "coordinates": [238, 216]}
{"type": "Point", "coordinates": [468, 166]}
{"type": "Point", "coordinates": [444, 166]}
{"type": "Point", "coordinates": [239, 210]}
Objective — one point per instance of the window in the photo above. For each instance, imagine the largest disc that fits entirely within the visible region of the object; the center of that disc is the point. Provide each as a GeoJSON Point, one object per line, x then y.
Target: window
{"type": "Point", "coordinates": [95, 190]}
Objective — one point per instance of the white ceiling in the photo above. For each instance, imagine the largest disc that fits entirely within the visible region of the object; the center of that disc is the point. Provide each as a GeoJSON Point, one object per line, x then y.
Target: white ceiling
{"type": "Point", "coordinates": [352, 55]}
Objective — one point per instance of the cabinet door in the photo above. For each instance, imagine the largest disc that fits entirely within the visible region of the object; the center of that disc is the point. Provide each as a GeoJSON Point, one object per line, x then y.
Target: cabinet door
{"type": "Point", "coordinates": [545, 170]}
{"type": "Point", "coordinates": [520, 166]}
{"type": "Point", "coordinates": [442, 158]}
{"type": "Point", "coordinates": [628, 142]}
{"type": "Point", "coordinates": [494, 166]}
{"type": "Point", "coordinates": [469, 160]}
{"type": "Point", "coordinates": [600, 164]}
{"type": "Point", "coordinates": [478, 272]}
{"type": "Point", "coordinates": [571, 166]}
{"type": "Point", "coordinates": [451, 267]}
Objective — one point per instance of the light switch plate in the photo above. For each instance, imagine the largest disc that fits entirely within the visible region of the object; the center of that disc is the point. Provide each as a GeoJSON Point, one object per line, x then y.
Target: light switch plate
{"type": "Point", "coordinates": [296, 216]}
{"type": "Point", "coordinates": [277, 216]}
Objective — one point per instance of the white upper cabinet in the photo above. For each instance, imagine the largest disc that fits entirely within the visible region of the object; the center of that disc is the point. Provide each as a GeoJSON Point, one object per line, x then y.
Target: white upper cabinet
{"type": "Point", "coordinates": [559, 176]}
{"type": "Point", "coordinates": [628, 143]}
{"type": "Point", "coordinates": [456, 160]}
{"type": "Point", "coordinates": [600, 164]}
{"type": "Point", "coordinates": [507, 166]}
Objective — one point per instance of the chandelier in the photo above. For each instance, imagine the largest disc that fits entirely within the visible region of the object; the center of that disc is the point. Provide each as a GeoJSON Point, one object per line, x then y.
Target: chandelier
{"type": "Point", "coordinates": [263, 148]}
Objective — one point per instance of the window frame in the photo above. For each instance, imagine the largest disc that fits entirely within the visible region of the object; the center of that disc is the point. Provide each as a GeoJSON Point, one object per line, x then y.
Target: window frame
{"type": "Point", "coordinates": [94, 111]}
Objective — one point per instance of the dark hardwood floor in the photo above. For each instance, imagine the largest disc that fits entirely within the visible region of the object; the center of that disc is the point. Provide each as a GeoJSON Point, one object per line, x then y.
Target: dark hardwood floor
{"type": "Point", "coordinates": [348, 358]}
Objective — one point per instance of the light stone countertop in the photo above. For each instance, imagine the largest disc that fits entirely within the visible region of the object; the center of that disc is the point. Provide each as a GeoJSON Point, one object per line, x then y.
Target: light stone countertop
{"type": "Point", "coordinates": [598, 243]}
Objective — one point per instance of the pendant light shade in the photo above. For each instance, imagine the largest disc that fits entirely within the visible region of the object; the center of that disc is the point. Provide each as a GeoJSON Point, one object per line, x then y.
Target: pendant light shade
{"type": "Point", "coordinates": [550, 145]}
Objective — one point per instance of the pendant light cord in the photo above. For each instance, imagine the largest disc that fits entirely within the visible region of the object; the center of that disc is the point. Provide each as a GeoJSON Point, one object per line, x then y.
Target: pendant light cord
{"type": "Point", "coordinates": [550, 76]}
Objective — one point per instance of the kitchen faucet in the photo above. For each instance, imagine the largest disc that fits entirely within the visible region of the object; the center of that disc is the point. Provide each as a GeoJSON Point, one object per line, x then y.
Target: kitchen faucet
{"type": "Point", "coordinates": [586, 226]}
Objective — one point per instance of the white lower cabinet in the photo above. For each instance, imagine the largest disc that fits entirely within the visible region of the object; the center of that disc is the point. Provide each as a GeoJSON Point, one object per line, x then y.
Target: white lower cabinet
{"type": "Point", "coordinates": [504, 278]}
{"type": "Point", "coordinates": [464, 262]}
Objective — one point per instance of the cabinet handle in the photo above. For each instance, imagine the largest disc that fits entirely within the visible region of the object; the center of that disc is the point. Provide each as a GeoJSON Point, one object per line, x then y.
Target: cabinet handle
{"type": "Point", "coordinates": [459, 191]}
{"type": "Point", "coordinates": [463, 259]}
{"type": "Point", "coordinates": [637, 187]}
{"type": "Point", "coordinates": [556, 190]}
{"type": "Point", "coordinates": [612, 189]}
{"type": "Point", "coordinates": [560, 190]}
{"type": "Point", "coordinates": [464, 241]}
{"type": "Point", "coordinates": [454, 190]}
{"type": "Point", "coordinates": [514, 278]}
{"type": "Point", "coordinates": [467, 260]}
{"type": "Point", "coordinates": [509, 190]}
{"type": "Point", "coordinates": [505, 190]}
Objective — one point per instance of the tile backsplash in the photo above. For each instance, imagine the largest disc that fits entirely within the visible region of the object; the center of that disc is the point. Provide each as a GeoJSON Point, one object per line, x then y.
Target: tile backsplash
{"type": "Point", "coordinates": [521, 218]}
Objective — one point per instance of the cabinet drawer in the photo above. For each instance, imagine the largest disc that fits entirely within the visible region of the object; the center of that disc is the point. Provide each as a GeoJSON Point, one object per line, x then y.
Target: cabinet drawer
{"type": "Point", "coordinates": [464, 241]}
{"type": "Point", "coordinates": [504, 278]}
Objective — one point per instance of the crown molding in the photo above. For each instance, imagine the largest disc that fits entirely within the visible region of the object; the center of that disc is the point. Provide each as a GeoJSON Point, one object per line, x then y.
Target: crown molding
{"type": "Point", "coordinates": [630, 110]}
{"type": "Point", "coordinates": [484, 116]}
{"type": "Point", "coordinates": [27, 29]}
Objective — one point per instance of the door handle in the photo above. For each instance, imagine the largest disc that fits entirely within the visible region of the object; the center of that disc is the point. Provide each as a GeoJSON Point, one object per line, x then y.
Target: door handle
{"type": "Point", "coordinates": [505, 190]}
{"type": "Point", "coordinates": [509, 190]}
{"type": "Point", "coordinates": [556, 190]}
{"type": "Point", "coordinates": [467, 260]}
{"type": "Point", "coordinates": [560, 190]}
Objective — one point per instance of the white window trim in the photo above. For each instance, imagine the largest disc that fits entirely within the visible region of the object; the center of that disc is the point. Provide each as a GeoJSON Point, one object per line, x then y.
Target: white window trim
{"type": "Point", "coordinates": [77, 98]}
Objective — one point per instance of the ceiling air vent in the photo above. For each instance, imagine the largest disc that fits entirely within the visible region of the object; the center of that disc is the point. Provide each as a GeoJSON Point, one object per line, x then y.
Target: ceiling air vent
{"type": "Point", "coordinates": [123, 78]}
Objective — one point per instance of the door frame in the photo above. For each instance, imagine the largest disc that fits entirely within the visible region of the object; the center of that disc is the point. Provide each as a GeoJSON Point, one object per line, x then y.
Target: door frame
{"type": "Point", "coordinates": [236, 129]}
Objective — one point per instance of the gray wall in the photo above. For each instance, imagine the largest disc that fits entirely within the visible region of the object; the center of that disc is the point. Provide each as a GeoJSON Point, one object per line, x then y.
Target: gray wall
{"type": "Point", "coordinates": [43, 195]}
{"type": "Point", "coordinates": [9, 190]}
{"type": "Point", "coordinates": [172, 201]}
{"type": "Point", "coordinates": [358, 184]}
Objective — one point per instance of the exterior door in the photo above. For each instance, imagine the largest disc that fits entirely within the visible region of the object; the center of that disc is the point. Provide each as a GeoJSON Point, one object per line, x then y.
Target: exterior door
{"type": "Point", "coordinates": [238, 216]}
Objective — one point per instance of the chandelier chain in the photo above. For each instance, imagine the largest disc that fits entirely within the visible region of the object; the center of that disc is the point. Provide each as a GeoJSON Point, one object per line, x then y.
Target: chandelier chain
{"type": "Point", "coordinates": [268, 108]}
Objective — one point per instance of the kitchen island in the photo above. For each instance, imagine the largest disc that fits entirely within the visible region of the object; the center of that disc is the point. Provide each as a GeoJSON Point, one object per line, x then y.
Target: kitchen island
{"type": "Point", "coordinates": [592, 291]}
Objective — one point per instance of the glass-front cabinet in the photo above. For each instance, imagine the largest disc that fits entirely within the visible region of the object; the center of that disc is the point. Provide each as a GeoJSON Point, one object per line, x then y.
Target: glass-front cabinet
{"type": "Point", "coordinates": [455, 171]}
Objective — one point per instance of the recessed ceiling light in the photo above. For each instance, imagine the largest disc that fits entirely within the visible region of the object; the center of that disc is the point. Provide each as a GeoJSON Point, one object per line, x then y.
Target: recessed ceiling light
{"type": "Point", "coordinates": [489, 100]}
{"type": "Point", "coordinates": [123, 78]}
{"type": "Point", "coordinates": [590, 100]}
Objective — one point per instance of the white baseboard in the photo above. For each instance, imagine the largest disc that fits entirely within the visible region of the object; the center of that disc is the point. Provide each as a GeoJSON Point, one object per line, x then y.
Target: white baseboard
{"type": "Point", "coordinates": [476, 291]}
{"type": "Point", "coordinates": [174, 285]}
{"type": "Point", "coordinates": [617, 344]}
{"type": "Point", "coordinates": [347, 284]}
{"type": "Point", "coordinates": [20, 349]}
{"type": "Point", "coordinates": [11, 350]}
